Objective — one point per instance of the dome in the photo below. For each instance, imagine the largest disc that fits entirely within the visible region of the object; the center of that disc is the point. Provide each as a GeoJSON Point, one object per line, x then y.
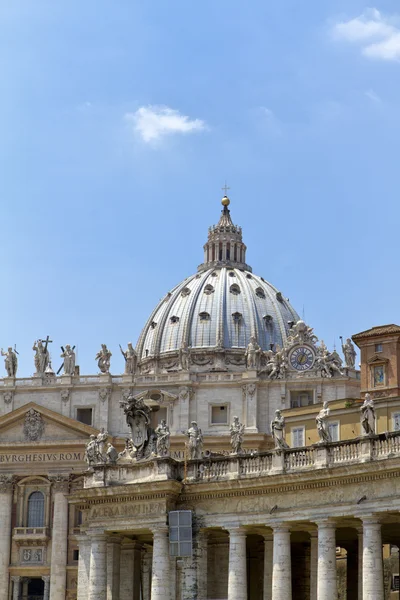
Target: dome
{"type": "Point", "coordinates": [223, 304]}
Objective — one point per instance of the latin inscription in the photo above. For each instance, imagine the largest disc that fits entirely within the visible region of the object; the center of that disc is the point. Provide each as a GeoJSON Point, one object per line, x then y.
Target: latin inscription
{"type": "Point", "coordinates": [37, 457]}
{"type": "Point", "coordinates": [127, 510]}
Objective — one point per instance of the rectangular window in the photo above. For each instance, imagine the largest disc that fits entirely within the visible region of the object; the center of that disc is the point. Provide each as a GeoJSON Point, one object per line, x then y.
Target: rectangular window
{"type": "Point", "coordinates": [396, 421]}
{"type": "Point", "coordinates": [219, 415]}
{"type": "Point", "coordinates": [300, 398]}
{"type": "Point", "coordinates": [378, 348]}
{"type": "Point", "coordinates": [334, 429]}
{"type": "Point", "coordinates": [84, 415]}
{"type": "Point", "coordinates": [75, 554]}
{"type": "Point", "coordinates": [180, 533]}
{"type": "Point", "coordinates": [298, 437]}
{"type": "Point", "coordinates": [395, 582]}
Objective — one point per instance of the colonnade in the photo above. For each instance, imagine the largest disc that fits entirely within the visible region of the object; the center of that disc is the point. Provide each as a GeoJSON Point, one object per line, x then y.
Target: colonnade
{"type": "Point", "coordinates": [111, 568]}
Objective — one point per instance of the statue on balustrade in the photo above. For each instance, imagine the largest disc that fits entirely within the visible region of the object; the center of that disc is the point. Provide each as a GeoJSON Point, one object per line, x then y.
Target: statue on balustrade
{"type": "Point", "coordinates": [237, 431]}
{"type": "Point", "coordinates": [328, 363]}
{"type": "Point", "coordinates": [163, 438]}
{"type": "Point", "coordinates": [253, 354]}
{"type": "Point", "coordinates": [42, 356]}
{"type": "Point", "coordinates": [91, 451]}
{"type": "Point", "coordinates": [103, 358]}
{"type": "Point", "coordinates": [368, 416]}
{"type": "Point", "coordinates": [112, 454]}
{"type": "Point", "coordinates": [68, 355]}
{"type": "Point", "coordinates": [278, 431]}
{"type": "Point", "coordinates": [349, 353]}
{"type": "Point", "coordinates": [137, 415]}
{"type": "Point", "coordinates": [10, 362]}
{"type": "Point", "coordinates": [95, 452]}
{"type": "Point", "coordinates": [130, 357]}
{"type": "Point", "coordinates": [322, 424]}
{"type": "Point", "coordinates": [184, 356]}
{"type": "Point", "coordinates": [195, 443]}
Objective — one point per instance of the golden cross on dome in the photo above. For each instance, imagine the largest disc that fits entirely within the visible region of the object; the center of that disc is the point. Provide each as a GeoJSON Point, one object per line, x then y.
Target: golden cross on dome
{"type": "Point", "coordinates": [225, 188]}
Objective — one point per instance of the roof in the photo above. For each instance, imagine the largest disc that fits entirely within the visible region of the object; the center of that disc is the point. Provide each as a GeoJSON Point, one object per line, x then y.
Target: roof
{"type": "Point", "coordinates": [377, 331]}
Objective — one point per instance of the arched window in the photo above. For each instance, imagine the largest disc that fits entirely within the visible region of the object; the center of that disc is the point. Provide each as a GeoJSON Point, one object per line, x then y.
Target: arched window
{"type": "Point", "coordinates": [36, 510]}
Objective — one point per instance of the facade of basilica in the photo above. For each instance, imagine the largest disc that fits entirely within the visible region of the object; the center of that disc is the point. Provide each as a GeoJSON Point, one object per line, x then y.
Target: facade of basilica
{"type": "Point", "coordinates": [236, 458]}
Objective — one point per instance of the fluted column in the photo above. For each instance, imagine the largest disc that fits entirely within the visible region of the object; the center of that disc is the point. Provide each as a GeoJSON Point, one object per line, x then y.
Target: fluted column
{"type": "Point", "coordinates": [202, 565]}
{"type": "Point", "coordinates": [83, 566]}
{"type": "Point", "coordinates": [326, 585]}
{"type": "Point", "coordinates": [6, 494]}
{"type": "Point", "coordinates": [98, 567]}
{"type": "Point", "coordinates": [58, 572]}
{"type": "Point", "coordinates": [237, 575]}
{"type": "Point", "coordinates": [161, 572]}
{"type": "Point", "coordinates": [268, 557]}
{"type": "Point", "coordinates": [281, 564]}
{"type": "Point", "coordinates": [372, 559]}
{"type": "Point", "coordinates": [16, 579]}
{"type": "Point", "coordinates": [313, 564]}
{"type": "Point", "coordinates": [46, 592]}
{"type": "Point", "coordinates": [113, 567]}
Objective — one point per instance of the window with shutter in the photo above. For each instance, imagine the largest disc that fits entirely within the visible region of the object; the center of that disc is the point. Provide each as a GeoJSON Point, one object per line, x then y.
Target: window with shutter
{"type": "Point", "coordinates": [334, 431]}
{"type": "Point", "coordinates": [297, 437]}
{"type": "Point", "coordinates": [396, 421]}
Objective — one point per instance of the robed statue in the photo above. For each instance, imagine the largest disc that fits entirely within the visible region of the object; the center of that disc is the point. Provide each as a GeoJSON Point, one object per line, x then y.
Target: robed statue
{"type": "Point", "coordinates": [368, 416]}
{"type": "Point", "coordinates": [10, 362]}
{"type": "Point", "coordinates": [278, 431]}
{"type": "Point", "coordinates": [103, 358]}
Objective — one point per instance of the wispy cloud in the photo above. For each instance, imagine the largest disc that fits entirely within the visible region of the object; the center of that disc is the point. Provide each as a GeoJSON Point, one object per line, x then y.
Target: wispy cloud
{"type": "Point", "coordinates": [373, 96]}
{"type": "Point", "coordinates": [377, 35]}
{"type": "Point", "coordinates": [152, 123]}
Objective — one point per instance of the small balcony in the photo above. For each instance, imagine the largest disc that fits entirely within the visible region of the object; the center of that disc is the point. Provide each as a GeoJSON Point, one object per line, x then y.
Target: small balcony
{"type": "Point", "coordinates": [31, 535]}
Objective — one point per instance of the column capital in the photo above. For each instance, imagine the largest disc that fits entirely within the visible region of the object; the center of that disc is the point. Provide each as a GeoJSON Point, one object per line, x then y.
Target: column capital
{"type": "Point", "coordinates": [16, 578]}
{"type": "Point", "coordinates": [326, 523]}
{"type": "Point", "coordinates": [371, 519]}
{"type": "Point", "coordinates": [46, 578]}
{"type": "Point", "coordinates": [60, 482]}
{"type": "Point", "coordinates": [280, 527]}
{"type": "Point", "coordinates": [96, 534]}
{"type": "Point", "coordinates": [114, 539]}
{"type": "Point", "coordinates": [236, 530]}
{"type": "Point", "coordinates": [160, 530]}
{"type": "Point", "coordinates": [6, 483]}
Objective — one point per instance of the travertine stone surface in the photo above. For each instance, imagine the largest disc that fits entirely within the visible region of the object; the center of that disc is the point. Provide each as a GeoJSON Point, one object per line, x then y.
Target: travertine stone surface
{"type": "Point", "coordinates": [127, 566]}
{"type": "Point", "coordinates": [372, 559]}
{"type": "Point", "coordinates": [113, 567]}
{"type": "Point", "coordinates": [161, 578]}
{"type": "Point", "coordinates": [281, 568]}
{"type": "Point", "coordinates": [5, 534]}
{"type": "Point", "coordinates": [313, 564]}
{"type": "Point", "coordinates": [268, 558]}
{"type": "Point", "coordinates": [98, 572]}
{"type": "Point", "coordinates": [360, 563]}
{"type": "Point", "coordinates": [58, 578]}
{"type": "Point", "coordinates": [189, 578]}
{"type": "Point", "coordinates": [237, 577]}
{"type": "Point", "coordinates": [202, 561]}
{"type": "Point", "coordinates": [46, 591]}
{"type": "Point", "coordinates": [326, 586]}
{"type": "Point", "coordinates": [146, 573]}
{"type": "Point", "coordinates": [83, 566]}
{"type": "Point", "coordinates": [16, 579]}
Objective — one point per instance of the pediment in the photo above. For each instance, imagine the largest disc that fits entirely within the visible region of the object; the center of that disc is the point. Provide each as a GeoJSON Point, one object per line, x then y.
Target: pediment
{"type": "Point", "coordinates": [377, 359]}
{"type": "Point", "coordinates": [34, 423]}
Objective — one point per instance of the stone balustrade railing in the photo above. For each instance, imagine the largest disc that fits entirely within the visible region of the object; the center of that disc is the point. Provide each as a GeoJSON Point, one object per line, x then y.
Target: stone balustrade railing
{"type": "Point", "coordinates": [244, 466]}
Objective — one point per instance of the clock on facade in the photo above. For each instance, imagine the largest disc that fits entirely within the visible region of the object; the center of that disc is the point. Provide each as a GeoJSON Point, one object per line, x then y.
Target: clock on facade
{"type": "Point", "coordinates": [302, 358]}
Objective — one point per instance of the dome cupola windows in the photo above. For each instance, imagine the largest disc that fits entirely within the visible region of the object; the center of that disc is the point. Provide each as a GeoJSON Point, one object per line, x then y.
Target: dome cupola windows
{"type": "Point", "coordinates": [234, 289]}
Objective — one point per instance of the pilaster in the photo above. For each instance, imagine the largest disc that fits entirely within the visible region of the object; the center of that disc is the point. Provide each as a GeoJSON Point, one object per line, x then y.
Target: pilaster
{"type": "Point", "coordinates": [113, 567]}
{"type": "Point", "coordinates": [83, 566]}
{"type": "Point", "coordinates": [6, 494]}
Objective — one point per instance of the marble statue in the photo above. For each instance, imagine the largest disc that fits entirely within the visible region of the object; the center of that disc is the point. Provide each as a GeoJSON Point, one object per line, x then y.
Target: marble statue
{"type": "Point", "coordinates": [322, 424]}
{"type": "Point", "coordinates": [368, 416]}
{"type": "Point", "coordinates": [10, 362]}
{"type": "Point", "coordinates": [112, 454]}
{"type": "Point", "coordinates": [237, 430]}
{"type": "Point", "coordinates": [68, 355]}
{"type": "Point", "coordinates": [278, 431]}
{"type": "Point", "coordinates": [137, 415]}
{"type": "Point", "coordinates": [300, 333]}
{"type": "Point", "coordinates": [42, 357]}
{"type": "Point", "coordinates": [328, 363]}
{"type": "Point", "coordinates": [349, 353]}
{"type": "Point", "coordinates": [184, 356]}
{"type": "Point", "coordinates": [252, 354]}
{"type": "Point", "coordinates": [130, 357]}
{"type": "Point", "coordinates": [195, 443]}
{"type": "Point", "coordinates": [101, 443]}
{"type": "Point", "coordinates": [95, 452]}
{"type": "Point", "coordinates": [278, 365]}
{"type": "Point", "coordinates": [103, 358]}
{"type": "Point", "coordinates": [163, 439]}
{"type": "Point", "coordinates": [91, 451]}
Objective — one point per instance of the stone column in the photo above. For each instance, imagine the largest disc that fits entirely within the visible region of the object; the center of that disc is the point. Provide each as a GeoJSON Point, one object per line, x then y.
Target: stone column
{"type": "Point", "coordinates": [202, 565]}
{"type": "Point", "coordinates": [161, 572]}
{"type": "Point", "coordinates": [113, 567]}
{"type": "Point", "coordinates": [46, 593]}
{"type": "Point", "coordinates": [59, 545]}
{"type": "Point", "coordinates": [326, 584]}
{"type": "Point", "coordinates": [189, 578]}
{"type": "Point", "coordinates": [281, 564]}
{"type": "Point", "coordinates": [16, 579]}
{"type": "Point", "coordinates": [83, 566]}
{"type": "Point", "coordinates": [313, 564]}
{"type": "Point", "coordinates": [372, 559]}
{"type": "Point", "coordinates": [360, 563]}
{"type": "Point", "coordinates": [98, 568]}
{"type": "Point", "coordinates": [126, 570]}
{"type": "Point", "coordinates": [237, 576]}
{"type": "Point", "coordinates": [6, 495]}
{"type": "Point", "coordinates": [268, 558]}
{"type": "Point", "coordinates": [146, 573]}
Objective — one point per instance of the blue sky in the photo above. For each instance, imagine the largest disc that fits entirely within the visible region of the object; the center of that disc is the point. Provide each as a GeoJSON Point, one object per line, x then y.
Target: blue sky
{"type": "Point", "coordinates": [120, 122]}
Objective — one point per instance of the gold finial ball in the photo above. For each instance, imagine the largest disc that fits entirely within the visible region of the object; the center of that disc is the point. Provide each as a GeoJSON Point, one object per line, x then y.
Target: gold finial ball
{"type": "Point", "coordinates": [225, 201]}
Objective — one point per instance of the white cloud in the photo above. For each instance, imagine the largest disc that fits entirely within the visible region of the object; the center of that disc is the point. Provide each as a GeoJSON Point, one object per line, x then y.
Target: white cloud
{"type": "Point", "coordinates": [155, 122]}
{"type": "Point", "coordinates": [373, 96]}
{"type": "Point", "coordinates": [378, 36]}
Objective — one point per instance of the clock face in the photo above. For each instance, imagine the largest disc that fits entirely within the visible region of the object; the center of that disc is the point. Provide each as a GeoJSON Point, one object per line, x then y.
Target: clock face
{"type": "Point", "coordinates": [302, 358]}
